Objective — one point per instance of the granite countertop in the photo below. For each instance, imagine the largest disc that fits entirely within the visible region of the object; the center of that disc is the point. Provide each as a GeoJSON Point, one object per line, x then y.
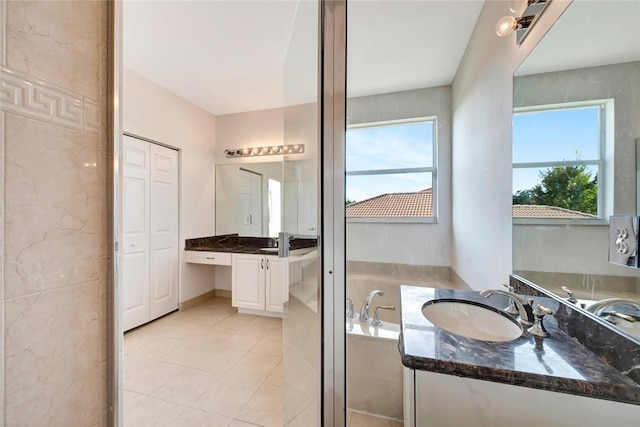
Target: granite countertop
{"type": "Point", "coordinates": [558, 363]}
{"type": "Point", "coordinates": [246, 245]}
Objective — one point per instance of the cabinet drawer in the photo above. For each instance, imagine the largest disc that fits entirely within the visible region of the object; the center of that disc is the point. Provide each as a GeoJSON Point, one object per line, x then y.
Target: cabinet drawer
{"type": "Point", "coordinates": [212, 258]}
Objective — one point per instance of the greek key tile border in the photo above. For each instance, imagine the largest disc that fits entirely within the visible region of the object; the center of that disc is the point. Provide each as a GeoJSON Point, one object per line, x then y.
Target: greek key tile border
{"type": "Point", "coordinates": [33, 98]}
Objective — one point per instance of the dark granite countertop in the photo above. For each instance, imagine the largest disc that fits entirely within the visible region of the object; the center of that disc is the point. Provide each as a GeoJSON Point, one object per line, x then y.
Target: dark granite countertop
{"type": "Point", "coordinates": [246, 245]}
{"type": "Point", "coordinates": [558, 363]}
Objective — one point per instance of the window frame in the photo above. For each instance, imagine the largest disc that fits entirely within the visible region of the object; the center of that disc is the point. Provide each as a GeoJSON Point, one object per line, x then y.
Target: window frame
{"type": "Point", "coordinates": [427, 169]}
{"type": "Point", "coordinates": [603, 164]}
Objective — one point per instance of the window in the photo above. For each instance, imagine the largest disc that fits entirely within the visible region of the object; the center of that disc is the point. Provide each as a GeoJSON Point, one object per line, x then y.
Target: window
{"type": "Point", "coordinates": [391, 169]}
{"type": "Point", "coordinates": [559, 161]}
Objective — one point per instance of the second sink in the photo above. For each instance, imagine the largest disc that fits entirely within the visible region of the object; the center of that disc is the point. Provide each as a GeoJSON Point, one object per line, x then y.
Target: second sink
{"type": "Point", "coordinates": [472, 320]}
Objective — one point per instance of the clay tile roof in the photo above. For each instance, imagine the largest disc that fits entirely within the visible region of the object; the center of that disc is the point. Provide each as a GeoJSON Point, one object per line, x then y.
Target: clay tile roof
{"type": "Point", "coordinates": [420, 204]}
{"type": "Point", "coordinates": [542, 211]}
{"type": "Point", "coordinates": [393, 205]}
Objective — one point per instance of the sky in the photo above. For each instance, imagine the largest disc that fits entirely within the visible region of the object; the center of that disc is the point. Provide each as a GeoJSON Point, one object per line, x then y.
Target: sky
{"type": "Point", "coordinates": [391, 147]}
{"type": "Point", "coordinates": [557, 135]}
{"type": "Point", "coordinates": [568, 134]}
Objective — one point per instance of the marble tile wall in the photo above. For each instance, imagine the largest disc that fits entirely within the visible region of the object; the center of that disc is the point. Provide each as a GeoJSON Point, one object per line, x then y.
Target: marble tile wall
{"type": "Point", "coordinates": [56, 212]}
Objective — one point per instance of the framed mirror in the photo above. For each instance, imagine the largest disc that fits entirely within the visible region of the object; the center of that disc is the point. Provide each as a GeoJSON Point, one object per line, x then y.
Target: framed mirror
{"type": "Point", "coordinates": [575, 126]}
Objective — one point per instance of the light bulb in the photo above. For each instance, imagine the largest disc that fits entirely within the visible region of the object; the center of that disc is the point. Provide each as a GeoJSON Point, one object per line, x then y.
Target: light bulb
{"type": "Point", "coordinates": [518, 6]}
{"type": "Point", "coordinates": [506, 25]}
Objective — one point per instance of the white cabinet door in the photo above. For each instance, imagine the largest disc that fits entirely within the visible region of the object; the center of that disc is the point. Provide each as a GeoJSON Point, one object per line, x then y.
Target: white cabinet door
{"type": "Point", "coordinates": [135, 233]}
{"type": "Point", "coordinates": [164, 252]}
{"type": "Point", "coordinates": [277, 282]}
{"type": "Point", "coordinates": [248, 281]}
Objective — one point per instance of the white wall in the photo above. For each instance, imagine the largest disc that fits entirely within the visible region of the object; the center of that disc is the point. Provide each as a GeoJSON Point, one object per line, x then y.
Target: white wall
{"type": "Point", "coordinates": [482, 102]}
{"type": "Point", "coordinates": [407, 243]}
{"type": "Point", "coordinates": [153, 112]}
{"type": "Point", "coordinates": [290, 125]}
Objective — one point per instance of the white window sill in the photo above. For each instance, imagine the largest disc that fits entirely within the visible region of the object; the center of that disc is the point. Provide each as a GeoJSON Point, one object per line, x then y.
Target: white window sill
{"type": "Point", "coordinates": [560, 221]}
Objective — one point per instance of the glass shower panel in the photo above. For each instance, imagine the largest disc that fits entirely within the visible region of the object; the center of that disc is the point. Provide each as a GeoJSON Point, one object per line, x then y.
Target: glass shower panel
{"type": "Point", "coordinates": [301, 357]}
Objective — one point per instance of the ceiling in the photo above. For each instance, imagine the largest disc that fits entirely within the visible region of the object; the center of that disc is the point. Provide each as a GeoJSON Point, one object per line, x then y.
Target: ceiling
{"type": "Point", "coordinates": [229, 56]}
{"type": "Point", "coordinates": [588, 34]}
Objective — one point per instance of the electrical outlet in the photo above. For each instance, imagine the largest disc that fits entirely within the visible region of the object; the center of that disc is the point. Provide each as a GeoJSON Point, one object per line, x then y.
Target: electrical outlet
{"type": "Point", "coordinates": [623, 240]}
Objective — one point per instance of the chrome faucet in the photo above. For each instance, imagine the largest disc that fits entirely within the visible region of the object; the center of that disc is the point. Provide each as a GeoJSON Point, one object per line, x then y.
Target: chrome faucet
{"type": "Point", "coordinates": [364, 310]}
{"type": "Point", "coordinates": [598, 308]}
{"type": "Point", "coordinates": [524, 306]}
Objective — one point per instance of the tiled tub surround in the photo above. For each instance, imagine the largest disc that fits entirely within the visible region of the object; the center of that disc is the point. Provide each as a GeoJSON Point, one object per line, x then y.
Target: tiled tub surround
{"type": "Point", "coordinates": [558, 363]}
{"type": "Point", "coordinates": [239, 244]}
{"type": "Point", "coordinates": [614, 348]}
{"type": "Point", "coordinates": [364, 277]}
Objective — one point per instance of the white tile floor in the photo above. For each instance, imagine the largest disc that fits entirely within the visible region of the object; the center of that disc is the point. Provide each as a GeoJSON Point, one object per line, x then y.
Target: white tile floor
{"type": "Point", "coordinates": [209, 366]}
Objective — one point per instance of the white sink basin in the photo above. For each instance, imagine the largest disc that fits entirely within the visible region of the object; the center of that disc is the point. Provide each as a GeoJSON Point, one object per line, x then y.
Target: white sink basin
{"type": "Point", "coordinates": [472, 320]}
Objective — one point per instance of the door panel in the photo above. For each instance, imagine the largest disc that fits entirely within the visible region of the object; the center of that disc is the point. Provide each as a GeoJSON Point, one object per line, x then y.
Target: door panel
{"type": "Point", "coordinates": [163, 231]}
{"type": "Point", "coordinates": [135, 236]}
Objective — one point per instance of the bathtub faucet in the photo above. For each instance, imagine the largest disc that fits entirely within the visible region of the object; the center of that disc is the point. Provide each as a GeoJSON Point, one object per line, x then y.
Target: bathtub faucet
{"type": "Point", "coordinates": [364, 310]}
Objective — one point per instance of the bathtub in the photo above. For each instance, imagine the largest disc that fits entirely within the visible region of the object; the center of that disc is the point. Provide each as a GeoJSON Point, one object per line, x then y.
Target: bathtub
{"type": "Point", "coordinates": [374, 367]}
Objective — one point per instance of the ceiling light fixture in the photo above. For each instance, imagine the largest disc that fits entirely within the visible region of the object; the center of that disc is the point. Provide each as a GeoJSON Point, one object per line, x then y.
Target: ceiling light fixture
{"type": "Point", "coordinates": [265, 151]}
{"type": "Point", "coordinates": [526, 13]}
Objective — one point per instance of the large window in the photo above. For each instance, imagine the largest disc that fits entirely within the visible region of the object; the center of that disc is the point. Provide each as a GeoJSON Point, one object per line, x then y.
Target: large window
{"type": "Point", "coordinates": [391, 169]}
{"type": "Point", "coordinates": [559, 161]}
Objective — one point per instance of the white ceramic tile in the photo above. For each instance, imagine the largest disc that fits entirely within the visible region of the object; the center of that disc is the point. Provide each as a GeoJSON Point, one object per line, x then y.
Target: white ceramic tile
{"type": "Point", "coordinates": [275, 377]}
{"type": "Point", "coordinates": [133, 365]}
{"type": "Point", "coordinates": [152, 377]}
{"type": "Point", "coordinates": [131, 399]}
{"type": "Point", "coordinates": [254, 366]}
{"type": "Point", "coordinates": [155, 348]}
{"type": "Point", "coordinates": [135, 339]}
{"type": "Point", "coordinates": [227, 396]}
{"type": "Point", "coordinates": [270, 344]}
{"type": "Point", "coordinates": [152, 412]}
{"type": "Point", "coordinates": [238, 423]}
{"type": "Point", "coordinates": [264, 408]}
{"type": "Point", "coordinates": [236, 339]}
{"type": "Point", "coordinates": [52, 346]}
{"type": "Point", "coordinates": [190, 417]}
{"type": "Point", "coordinates": [187, 387]}
{"type": "Point", "coordinates": [51, 207]}
{"type": "Point", "coordinates": [216, 360]}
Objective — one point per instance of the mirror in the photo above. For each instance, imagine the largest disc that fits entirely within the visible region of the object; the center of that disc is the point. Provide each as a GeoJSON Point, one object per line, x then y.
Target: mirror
{"type": "Point", "coordinates": [576, 120]}
{"type": "Point", "coordinates": [263, 199]}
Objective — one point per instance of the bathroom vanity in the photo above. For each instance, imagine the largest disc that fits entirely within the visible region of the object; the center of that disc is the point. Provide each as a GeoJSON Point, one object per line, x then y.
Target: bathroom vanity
{"type": "Point", "coordinates": [454, 380]}
{"type": "Point", "coordinates": [259, 278]}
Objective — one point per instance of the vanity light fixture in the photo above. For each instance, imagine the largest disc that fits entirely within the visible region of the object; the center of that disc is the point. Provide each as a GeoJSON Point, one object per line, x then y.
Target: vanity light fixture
{"type": "Point", "coordinates": [265, 151]}
{"type": "Point", "coordinates": [526, 13]}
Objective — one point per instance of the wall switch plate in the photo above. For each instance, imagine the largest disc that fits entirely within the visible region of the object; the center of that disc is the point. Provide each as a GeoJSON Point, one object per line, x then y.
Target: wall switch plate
{"type": "Point", "coordinates": [624, 232]}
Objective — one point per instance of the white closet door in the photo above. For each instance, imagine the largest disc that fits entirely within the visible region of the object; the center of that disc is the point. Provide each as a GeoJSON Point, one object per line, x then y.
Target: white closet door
{"type": "Point", "coordinates": [163, 231]}
{"type": "Point", "coordinates": [135, 233]}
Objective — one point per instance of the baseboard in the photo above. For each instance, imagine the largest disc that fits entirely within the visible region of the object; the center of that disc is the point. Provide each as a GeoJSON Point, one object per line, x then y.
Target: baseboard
{"type": "Point", "coordinates": [223, 293]}
{"type": "Point", "coordinates": [196, 301]}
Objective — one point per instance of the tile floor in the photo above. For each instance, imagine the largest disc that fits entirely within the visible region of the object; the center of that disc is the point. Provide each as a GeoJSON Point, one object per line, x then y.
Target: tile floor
{"type": "Point", "coordinates": [209, 366]}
